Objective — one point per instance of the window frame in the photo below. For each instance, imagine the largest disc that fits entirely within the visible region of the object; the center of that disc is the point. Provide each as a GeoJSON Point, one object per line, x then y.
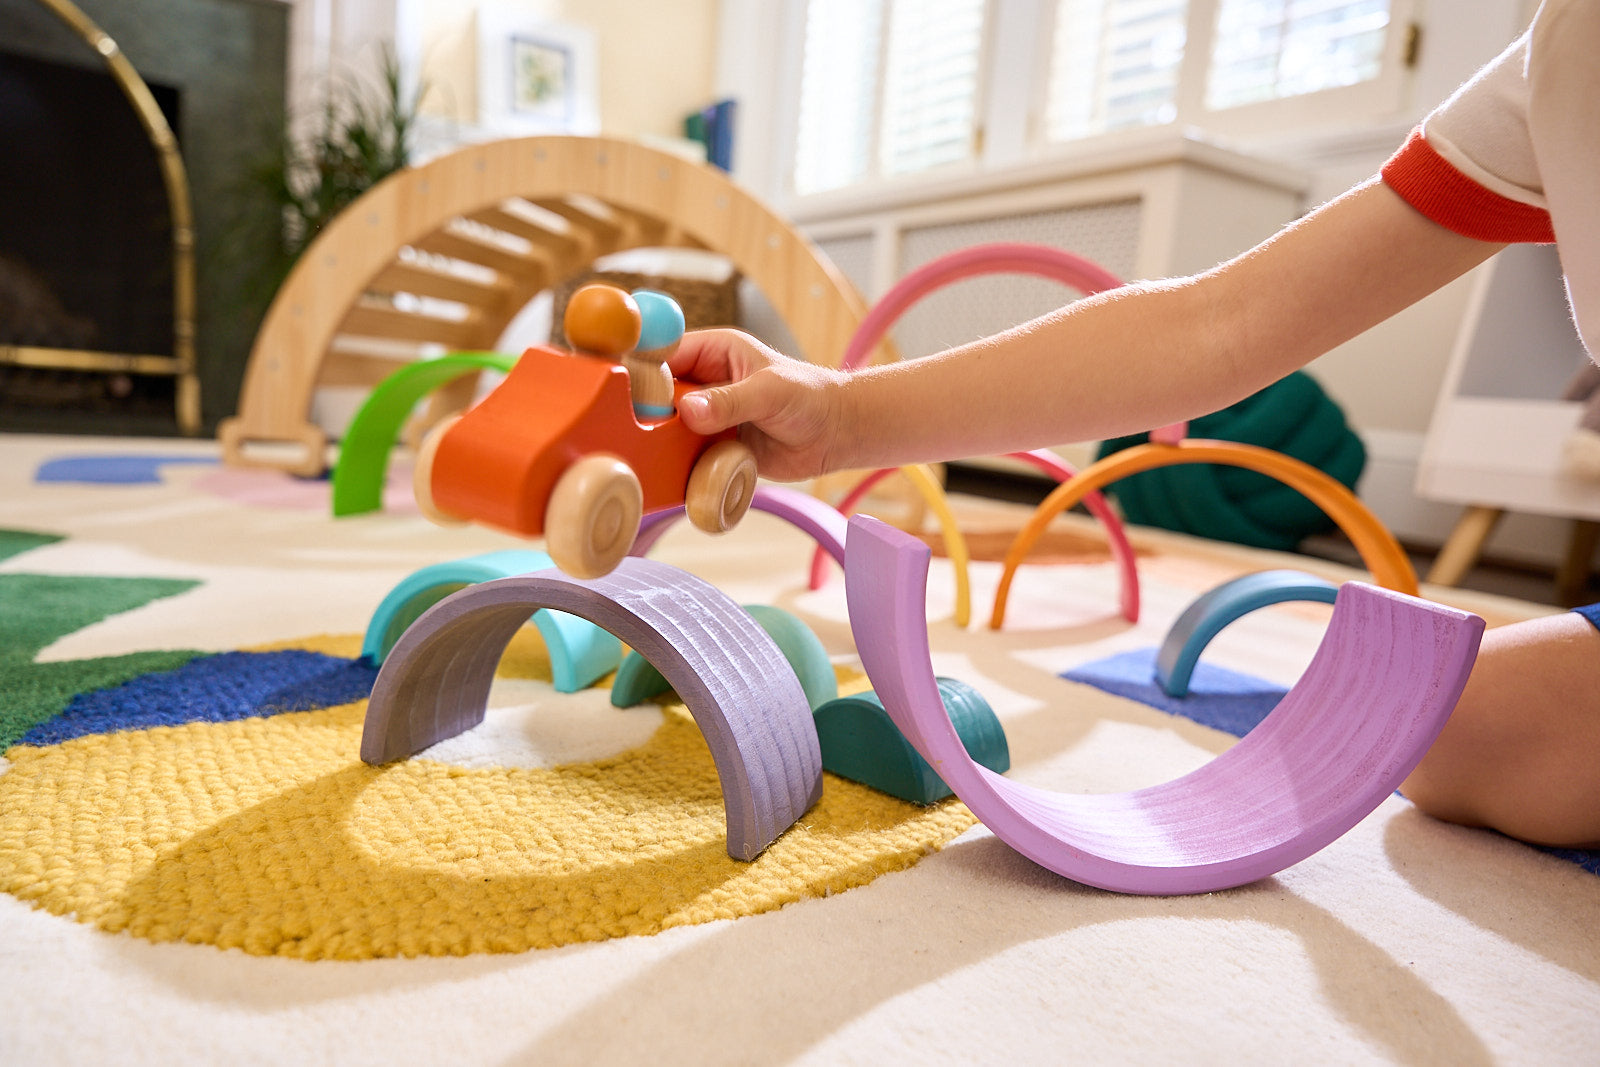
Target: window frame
{"type": "Point", "coordinates": [1374, 99]}
{"type": "Point", "coordinates": [1013, 90]}
{"type": "Point", "coordinates": [793, 18]}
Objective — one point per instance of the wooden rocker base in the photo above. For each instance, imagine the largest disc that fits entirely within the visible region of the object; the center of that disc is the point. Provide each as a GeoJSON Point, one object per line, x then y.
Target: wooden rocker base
{"type": "Point", "coordinates": [731, 675]}
{"type": "Point", "coordinates": [1375, 696]}
{"type": "Point", "coordinates": [486, 228]}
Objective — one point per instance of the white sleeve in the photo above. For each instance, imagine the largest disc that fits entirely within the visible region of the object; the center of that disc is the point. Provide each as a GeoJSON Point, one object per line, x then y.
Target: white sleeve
{"type": "Point", "coordinates": [1482, 129]}
{"type": "Point", "coordinates": [1564, 122]}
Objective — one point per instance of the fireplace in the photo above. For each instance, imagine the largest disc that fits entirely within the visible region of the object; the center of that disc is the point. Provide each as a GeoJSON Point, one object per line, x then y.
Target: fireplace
{"type": "Point", "coordinates": [90, 259]}
{"type": "Point", "coordinates": [86, 249]}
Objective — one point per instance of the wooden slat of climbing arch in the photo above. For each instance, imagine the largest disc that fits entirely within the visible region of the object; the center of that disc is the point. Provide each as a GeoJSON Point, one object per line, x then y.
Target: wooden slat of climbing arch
{"type": "Point", "coordinates": [400, 277]}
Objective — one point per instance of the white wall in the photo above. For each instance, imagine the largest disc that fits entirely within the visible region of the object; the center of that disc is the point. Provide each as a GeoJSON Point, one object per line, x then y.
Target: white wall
{"type": "Point", "coordinates": [656, 61]}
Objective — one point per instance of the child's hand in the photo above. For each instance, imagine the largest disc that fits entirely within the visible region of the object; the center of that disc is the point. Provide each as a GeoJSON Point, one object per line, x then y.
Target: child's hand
{"type": "Point", "coordinates": [789, 410]}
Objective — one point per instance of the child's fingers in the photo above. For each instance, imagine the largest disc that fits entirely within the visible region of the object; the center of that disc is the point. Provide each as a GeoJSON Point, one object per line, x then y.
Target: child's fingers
{"type": "Point", "coordinates": [713, 356]}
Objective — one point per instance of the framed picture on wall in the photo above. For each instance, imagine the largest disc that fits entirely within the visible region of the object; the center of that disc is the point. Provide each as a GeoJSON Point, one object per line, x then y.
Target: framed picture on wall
{"type": "Point", "coordinates": [535, 75]}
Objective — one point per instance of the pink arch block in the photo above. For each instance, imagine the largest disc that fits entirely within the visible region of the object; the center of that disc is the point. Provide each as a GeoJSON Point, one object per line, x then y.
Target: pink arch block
{"type": "Point", "coordinates": [1002, 257]}
{"type": "Point", "coordinates": [999, 257]}
{"type": "Point", "coordinates": [1378, 691]}
{"type": "Point", "coordinates": [1044, 460]}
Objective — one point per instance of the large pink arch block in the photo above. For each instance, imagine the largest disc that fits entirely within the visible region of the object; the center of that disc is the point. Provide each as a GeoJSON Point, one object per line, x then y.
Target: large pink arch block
{"type": "Point", "coordinates": [1003, 257]}
{"type": "Point", "coordinates": [1379, 689]}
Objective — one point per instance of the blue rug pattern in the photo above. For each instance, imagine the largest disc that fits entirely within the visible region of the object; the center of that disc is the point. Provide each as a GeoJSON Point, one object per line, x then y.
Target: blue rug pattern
{"type": "Point", "coordinates": [110, 470]}
{"type": "Point", "coordinates": [222, 688]}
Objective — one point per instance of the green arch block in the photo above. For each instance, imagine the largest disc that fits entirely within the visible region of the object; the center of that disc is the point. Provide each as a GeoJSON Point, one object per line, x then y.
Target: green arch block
{"type": "Point", "coordinates": [638, 681]}
{"type": "Point", "coordinates": [364, 453]}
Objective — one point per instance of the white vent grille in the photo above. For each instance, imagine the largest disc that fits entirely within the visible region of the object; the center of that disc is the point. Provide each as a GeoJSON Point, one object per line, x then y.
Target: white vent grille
{"type": "Point", "coordinates": [1106, 233]}
{"type": "Point", "coordinates": [853, 256]}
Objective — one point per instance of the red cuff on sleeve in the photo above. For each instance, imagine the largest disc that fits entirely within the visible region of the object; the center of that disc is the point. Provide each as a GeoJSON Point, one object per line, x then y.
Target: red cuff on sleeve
{"type": "Point", "coordinates": [1431, 184]}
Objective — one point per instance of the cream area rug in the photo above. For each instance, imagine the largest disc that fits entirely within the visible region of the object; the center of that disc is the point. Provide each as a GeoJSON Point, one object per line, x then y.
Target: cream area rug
{"type": "Point", "coordinates": [196, 867]}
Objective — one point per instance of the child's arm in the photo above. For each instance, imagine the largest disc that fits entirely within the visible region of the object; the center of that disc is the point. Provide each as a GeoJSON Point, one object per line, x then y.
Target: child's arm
{"type": "Point", "coordinates": [1120, 362]}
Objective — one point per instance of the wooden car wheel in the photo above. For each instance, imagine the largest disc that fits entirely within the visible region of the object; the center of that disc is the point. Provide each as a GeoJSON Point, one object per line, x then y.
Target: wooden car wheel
{"type": "Point", "coordinates": [422, 475]}
{"type": "Point", "coordinates": [721, 487]}
{"type": "Point", "coordinates": [593, 516]}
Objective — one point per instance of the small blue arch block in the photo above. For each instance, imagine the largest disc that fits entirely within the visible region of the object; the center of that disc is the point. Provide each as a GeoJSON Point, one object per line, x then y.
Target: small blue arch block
{"type": "Point", "coordinates": [581, 653]}
{"type": "Point", "coordinates": [1213, 611]}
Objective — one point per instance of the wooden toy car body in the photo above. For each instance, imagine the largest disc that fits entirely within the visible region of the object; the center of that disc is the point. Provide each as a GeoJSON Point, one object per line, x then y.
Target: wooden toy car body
{"type": "Point", "coordinates": [514, 462]}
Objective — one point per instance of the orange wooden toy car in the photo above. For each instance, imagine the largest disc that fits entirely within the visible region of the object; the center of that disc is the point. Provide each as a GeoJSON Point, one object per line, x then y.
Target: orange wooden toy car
{"type": "Point", "coordinates": [557, 450]}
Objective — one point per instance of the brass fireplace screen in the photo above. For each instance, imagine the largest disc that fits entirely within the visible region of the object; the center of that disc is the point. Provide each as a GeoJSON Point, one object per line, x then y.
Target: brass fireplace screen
{"type": "Point", "coordinates": [181, 363]}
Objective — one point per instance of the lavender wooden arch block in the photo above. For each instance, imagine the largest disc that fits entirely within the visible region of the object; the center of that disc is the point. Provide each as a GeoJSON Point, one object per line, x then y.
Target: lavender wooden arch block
{"type": "Point", "coordinates": [816, 517]}
{"type": "Point", "coordinates": [1379, 689]}
{"type": "Point", "coordinates": [733, 678]}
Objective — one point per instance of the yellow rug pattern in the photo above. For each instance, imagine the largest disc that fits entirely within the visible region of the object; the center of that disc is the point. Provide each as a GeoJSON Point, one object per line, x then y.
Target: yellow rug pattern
{"type": "Point", "coordinates": [269, 835]}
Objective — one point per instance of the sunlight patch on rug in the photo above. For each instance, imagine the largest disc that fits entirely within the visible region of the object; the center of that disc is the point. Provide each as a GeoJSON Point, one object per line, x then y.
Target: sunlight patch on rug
{"type": "Point", "coordinates": [269, 835]}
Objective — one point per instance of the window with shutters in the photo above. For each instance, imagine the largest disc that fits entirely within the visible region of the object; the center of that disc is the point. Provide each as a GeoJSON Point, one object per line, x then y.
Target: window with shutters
{"type": "Point", "coordinates": [1267, 49]}
{"type": "Point", "coordinates": [890, 88]}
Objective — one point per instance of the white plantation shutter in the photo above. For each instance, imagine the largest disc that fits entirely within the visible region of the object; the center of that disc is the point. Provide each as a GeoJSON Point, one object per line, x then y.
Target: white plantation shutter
{"type": "Point", "coordinates": [838, 94]}
{"type": "Point", "coordinates": [930, 83]}
{"type": "Point", "coordinates": [1267, 49]}
{"type": "Point", "coordinates": [897, 87]}
{"type": "Point", "coordinates": [1114, 64]}
{"type": "Point", "coordinates": [886, 88]}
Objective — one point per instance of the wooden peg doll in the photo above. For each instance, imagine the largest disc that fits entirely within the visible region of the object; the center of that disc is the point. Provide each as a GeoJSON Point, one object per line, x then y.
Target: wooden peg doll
{"type": "Point", "coordinates": [661, 330]}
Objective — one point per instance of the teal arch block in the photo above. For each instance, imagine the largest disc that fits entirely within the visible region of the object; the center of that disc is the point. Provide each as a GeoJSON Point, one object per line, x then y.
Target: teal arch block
{"type": "Point", "coordinates": [638, 681]}
{"type": "Point", "coordinates": [1213, 611]}
{"type": "Point", "coordinates": [581, 653]}
{"type": "Point", "coordinates": [860, 742]}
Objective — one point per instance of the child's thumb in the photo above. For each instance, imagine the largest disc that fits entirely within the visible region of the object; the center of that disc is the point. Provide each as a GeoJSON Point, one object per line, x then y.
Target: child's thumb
{"type": "Point", "coordinates": [711, 410]}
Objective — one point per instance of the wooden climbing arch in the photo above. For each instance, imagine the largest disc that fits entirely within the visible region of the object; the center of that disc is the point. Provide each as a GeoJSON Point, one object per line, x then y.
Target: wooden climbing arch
{"type": "Point", "coordinates": [450, 251]}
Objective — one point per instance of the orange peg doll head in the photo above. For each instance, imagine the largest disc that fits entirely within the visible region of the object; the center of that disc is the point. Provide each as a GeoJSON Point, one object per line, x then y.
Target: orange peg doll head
{"type": "Point", "coordinates": [602, 320]}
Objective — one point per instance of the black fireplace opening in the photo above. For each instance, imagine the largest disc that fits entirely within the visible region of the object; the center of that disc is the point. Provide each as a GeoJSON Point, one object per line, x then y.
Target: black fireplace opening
{"type": "Point", "coordinates": [85, 244]}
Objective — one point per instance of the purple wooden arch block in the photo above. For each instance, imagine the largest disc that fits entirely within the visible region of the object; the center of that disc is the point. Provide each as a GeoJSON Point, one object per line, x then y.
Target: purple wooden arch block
{"type": "Point", "coordinates": [735, 681]}
{"type": "Point", "coordinates": [816, 517]}
{"type": "Point", "coordinates": [1380, 687]}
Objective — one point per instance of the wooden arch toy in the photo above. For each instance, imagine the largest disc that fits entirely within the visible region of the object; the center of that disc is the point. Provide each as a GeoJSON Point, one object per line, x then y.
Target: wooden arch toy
{"type": "Point", "coordinates": [732, 677]}
{"type": "Point", "coordinates": [1378, 691]}
{"type": "Point", "coordinates": [999, 257]}
{"type": "Point", "coordinates": [1388, 562]}
{"type": "Point", "coordinates": [816, 517]}
{"type": "Point", "coordinates": [484, 229]}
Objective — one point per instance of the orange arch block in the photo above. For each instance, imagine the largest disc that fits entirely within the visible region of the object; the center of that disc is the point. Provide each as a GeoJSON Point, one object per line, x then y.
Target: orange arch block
{"type": "Point", "coordinates": [1382, 554]}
